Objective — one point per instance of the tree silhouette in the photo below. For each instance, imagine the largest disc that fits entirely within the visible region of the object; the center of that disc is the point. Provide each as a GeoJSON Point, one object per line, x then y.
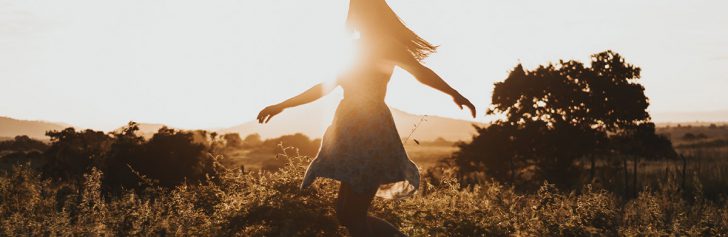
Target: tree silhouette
{"type": "Point", "coordinates": [233, 140]}
{"type": "Point", "coordinates": [603, 97]}
{"type": "Point", "coordinates": [555, 115]}
{"type": "Point", "coordinates": [641, 142]}
{"type": "Point", "coordinates": [72, 153]}
{"type": "Point", "coordinates": [252, 140]}
{"type": "Point", "coordinates": [125, 151]}
{"type": "Point", "coordinates": [22, 144]}
{"type": "Point", "coordinates": [170, 156]}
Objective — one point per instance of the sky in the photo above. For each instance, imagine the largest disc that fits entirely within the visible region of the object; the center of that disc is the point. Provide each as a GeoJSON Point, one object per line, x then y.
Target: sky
{"type": "Point", "coordinates": [213, 64]}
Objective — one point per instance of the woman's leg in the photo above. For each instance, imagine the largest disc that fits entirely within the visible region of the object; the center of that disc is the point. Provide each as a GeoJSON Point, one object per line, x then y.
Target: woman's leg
{"type": "Point", "coordinates": [352, 211]}
{"type": "Point", "coordinates": [381, 227]}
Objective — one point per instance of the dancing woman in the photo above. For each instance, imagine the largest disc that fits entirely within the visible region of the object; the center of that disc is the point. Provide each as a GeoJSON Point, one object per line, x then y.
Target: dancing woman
{"type": "Point", "coordinates": [362, 148]}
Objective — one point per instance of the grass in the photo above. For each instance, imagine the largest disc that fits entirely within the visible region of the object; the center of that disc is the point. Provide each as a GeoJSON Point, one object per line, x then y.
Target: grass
{"type": "Point", "coordinates": [269, 203]}
{"type": "Point", "coordinates": [425, 156]}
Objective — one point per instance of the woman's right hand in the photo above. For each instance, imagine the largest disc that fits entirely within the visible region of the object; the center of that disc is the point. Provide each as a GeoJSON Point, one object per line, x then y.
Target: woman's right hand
{"type": "Point", "coordinates": [266, 114]}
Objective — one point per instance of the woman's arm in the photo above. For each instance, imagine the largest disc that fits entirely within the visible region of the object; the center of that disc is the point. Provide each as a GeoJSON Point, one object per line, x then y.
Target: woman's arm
{"type": "Point", "coordinates": [428, 77]}
{"type": "Point", "coordinates": [308, 96]}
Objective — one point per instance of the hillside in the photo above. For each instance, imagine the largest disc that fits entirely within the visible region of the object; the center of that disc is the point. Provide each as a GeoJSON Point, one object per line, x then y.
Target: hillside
{"type": "Point", "coordinates": [313, 122]}
{"type": "Point", "coordinates": [690, 118]}
{"type": "Point", "coordinates": [10, 127]}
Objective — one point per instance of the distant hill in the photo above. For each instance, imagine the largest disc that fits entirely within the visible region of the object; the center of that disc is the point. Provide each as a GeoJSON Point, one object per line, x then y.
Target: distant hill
{"type": "Point", "coordinates": [314, 120]}
{"type": "Point", "coordinates": [10, 127]}
{"type": "Point", "coordinates": [690, 118]}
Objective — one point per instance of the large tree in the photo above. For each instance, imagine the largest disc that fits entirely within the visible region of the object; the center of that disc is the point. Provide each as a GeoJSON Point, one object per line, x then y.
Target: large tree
{"type": "Point", "coordinates": [554, 115]}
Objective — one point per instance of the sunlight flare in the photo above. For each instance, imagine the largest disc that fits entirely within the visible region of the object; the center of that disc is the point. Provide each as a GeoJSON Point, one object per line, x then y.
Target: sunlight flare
{"type": "Point", "coordinates": [345, 52]}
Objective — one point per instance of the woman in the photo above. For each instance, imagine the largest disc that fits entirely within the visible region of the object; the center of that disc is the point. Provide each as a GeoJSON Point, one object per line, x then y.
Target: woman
{"type": "Point", "coordinates": [362, 148]}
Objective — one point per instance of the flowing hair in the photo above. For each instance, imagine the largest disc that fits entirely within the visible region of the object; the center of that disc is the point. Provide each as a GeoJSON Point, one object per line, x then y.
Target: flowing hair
{"type": "Point", "coordinates": [376, 17]}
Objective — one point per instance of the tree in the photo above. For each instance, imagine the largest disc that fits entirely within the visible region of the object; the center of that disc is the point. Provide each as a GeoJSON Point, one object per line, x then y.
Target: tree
{"type": "Point", "coordinates": [125, 150]}
{"type": "Point", "coordinates": [23, 144]}
{"type": "Point", "coordinates": [73, 153]}
{"type": "Point", "coordinates": [689, 136]}
{"type": "Point", "coordinates": [252, 140]}
{"type": "Point", "coordinates": [233, 140]}
{"type": "Point", "coordinates": [555, 115]}
{"type": "Point", "coordinates": [641, 142]}
{"type": "Point", "coordinates": [172, 157]}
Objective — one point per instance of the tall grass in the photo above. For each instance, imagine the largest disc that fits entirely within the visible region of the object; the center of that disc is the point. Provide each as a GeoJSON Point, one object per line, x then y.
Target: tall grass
{"type": "Point", "coordinates": [270, 203]}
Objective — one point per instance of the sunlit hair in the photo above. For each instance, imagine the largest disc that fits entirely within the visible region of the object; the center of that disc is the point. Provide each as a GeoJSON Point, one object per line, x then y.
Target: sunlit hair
{"type": "Point", "coordinates": [374, 18]}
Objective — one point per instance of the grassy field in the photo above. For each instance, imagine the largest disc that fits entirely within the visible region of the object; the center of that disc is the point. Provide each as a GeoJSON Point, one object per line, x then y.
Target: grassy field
{"type": "Point", "coordinates": [425, 156]}
{"type": "Point", "coordinates": [676, 197]}
{"type": "Point", "coordinates": [704, 174]}
{"type": "Point", "coordinates": [267, 203]}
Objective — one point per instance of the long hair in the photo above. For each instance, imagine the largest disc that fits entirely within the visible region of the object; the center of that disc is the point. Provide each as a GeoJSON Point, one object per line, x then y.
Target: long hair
{"type": "Point", "coordinates": [377, 18]}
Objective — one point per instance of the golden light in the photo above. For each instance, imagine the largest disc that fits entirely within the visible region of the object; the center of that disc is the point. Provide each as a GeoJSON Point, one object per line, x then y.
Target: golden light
{"type": "Point", "coordinates": [192, 64]}
{"type": "Point", "coordinates": [345, 52]}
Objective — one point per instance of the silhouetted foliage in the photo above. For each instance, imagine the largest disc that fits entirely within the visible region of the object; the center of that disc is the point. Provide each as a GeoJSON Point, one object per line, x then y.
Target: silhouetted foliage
{"type": "Point", "coordinates": [642, 141]}
{"type": "Point", "coordinates": [252, 140]}
{"type": "Point", "coordinates": [270, 203]}
{"type": "Point", "coordinates": [129, 160]}
{"type": "Point", "coordinates": [689, 136]}
{"type": "Point", "coordinates": [123, 153]}
{"type": "Point", "coordinates": [73, 153]}
{"type": "Point", "coordinates": [560, 113]}
{"type": "Point", "coordinates": [298, 144]}
{"type": "Point", "coordinates": [304, 145]}
{"type": "Point", "coordinates": [21, 150]}
{"type": "Point", "coordinates": [23, 144]}
{"type": "Point", "coordinates": [233, 140]}
{"type": "Point", "coordinates": [169, 157]}
{"type": "Point", "coordinates": [692, 137]}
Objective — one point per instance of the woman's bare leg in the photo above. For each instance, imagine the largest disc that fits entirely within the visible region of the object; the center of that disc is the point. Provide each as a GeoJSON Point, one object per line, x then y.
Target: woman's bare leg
{"type": "Point", "coordinates": [352, 211]}
{"type": "Point", "coordinates": [381, 227]}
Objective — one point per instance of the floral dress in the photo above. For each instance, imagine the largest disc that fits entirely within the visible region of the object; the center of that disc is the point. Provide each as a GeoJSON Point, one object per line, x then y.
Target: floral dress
{"type": "Point", "coordinates": [362, 147]}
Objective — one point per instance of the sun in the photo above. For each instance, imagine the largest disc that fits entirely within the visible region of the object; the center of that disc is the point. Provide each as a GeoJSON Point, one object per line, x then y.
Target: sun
{"type": "Point", "coordinates": [340, 56]}
{"type": "Point", "coordinates": [345, 52]}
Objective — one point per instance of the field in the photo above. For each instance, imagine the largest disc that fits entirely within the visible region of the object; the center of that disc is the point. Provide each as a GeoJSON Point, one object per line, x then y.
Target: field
{"type": "Point", "coordinates": [425, 156]}
{"type": "Point", "coordinates": [256, 193]}
{"type": "Point", "coordinates": [271, 204]}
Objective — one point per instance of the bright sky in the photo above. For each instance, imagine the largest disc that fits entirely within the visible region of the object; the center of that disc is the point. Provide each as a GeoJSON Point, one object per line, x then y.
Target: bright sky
{"type": "Point", "coordinates": [208, 64]}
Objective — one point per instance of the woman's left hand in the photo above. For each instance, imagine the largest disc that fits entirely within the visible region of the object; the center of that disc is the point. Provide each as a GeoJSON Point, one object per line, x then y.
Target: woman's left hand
{"type": "Point", "coordinates": [461, 101]}
{"type": "Point", "coordinates": [266, 114]}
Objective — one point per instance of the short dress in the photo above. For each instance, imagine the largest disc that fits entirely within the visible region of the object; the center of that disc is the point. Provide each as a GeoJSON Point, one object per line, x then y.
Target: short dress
{"type": "Point", "coordinates": [362, 147]}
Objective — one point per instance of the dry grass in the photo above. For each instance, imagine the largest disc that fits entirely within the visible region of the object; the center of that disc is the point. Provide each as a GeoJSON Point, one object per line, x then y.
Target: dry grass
{"type": "Point", "coordinates": [266, 203]}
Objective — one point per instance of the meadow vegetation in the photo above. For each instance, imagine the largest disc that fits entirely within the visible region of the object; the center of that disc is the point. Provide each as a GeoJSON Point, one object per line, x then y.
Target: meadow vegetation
{"type": "Point", "coordinates": [270, 203]}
